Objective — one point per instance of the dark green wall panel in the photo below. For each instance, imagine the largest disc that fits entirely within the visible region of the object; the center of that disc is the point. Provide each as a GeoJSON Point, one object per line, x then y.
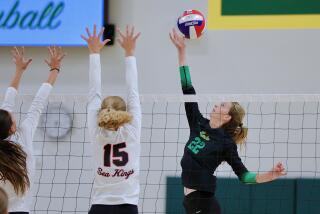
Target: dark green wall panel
{"type": "Point", "coordinates": [270, 7]}
{"type": "Point", "coordinates": [284, 196]}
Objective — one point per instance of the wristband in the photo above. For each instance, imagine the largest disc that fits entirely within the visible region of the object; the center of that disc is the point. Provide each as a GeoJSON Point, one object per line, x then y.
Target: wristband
{"type": "Point", "coordinates": [57, 69]}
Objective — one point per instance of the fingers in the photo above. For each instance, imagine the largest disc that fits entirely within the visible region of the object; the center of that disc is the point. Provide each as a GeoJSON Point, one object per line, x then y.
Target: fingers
{"type": "Point", "coordinates": [94, 30]}
{"type": "Point", "coordinates": [136, 36]}
{"type": "Point", "coordinates": [171, 37]}
{"type": "Point", "coordinates": [132, 31]}
{"type": "Point", "coordinates": [174, 31]}
{"type": "Point", "coordinates": [47, 62]}
{"type": "Point", "coordinates": [280, 166]}
{"type": "Point", "coordinates": [88, 32]}
{"type": "Point", "coordinates": [120, 33]}
{"type": "Point", "coordinates": [17, 51]}
{"type": "Point", "coordinates": [29, 62]}
{"type": "Point", "coordinates": [84, 38]}
{"type": "Point", "coordinates": [90, 36]}
{"type": "Point", "coordinates": [60, 50]}
{"type": "Point", "coordinates": [175, 38]}
{"type": "Point", "coordinates": [127, 30]}
{"type": "Point", "coordinates": [129, 33]}
{"type": "Point", "coordinates": [50, 51]}
{"type": "Point", "coordinates": [14, 54]}
{"type": "Point", "coordinates": [280, 170]}
{"type": "Point", "coordinates": [106, 41]}
{"type": "Point", "coordinates": [18, 57]}
{"type": "Point", "coordinates": [62, 56]}
{"type": "Point", "coordinates": [56, 52]}
{"type": "Point", "coordinates": [101, 32]}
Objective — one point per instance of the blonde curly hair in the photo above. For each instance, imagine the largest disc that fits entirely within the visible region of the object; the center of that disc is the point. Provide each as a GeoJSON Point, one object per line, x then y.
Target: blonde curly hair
{"type": "Point", "coordinates": [113, 113]}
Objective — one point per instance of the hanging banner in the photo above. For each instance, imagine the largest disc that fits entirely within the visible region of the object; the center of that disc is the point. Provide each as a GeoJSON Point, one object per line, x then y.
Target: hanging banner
{"type": "Point", "coordinates": [47, 22]}
{"type": "Point", "coordinates": [264, 14]}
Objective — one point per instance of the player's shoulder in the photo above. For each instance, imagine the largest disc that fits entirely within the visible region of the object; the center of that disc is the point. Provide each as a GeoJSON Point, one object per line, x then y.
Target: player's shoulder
{"type": "Point", "coordinates": [128, 130]}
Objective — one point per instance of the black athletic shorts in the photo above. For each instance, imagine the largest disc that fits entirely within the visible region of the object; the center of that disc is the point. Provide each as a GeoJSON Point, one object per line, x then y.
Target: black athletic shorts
{"type": "Point", "coordinates": [200, 202]}
{"type": "Point", "coordinates": [114, 209]}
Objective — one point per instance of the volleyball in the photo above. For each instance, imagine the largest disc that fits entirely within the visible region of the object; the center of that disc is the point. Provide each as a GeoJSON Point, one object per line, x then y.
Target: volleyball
{"type": "Point", "coordinates": [191, 24]}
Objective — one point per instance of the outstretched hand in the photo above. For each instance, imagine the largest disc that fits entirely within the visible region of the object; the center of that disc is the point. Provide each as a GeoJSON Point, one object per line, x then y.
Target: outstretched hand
{"type": "Point", "coordinates": [177, 40]}
{"type": "Point", "coordinates": [56, 56]}
{"type": "Point", "coordinates": [19, 59]}
{"type": "Point", "coordinates": [94, 42]}
{"type": "Point", "coordinates": [128, 40]}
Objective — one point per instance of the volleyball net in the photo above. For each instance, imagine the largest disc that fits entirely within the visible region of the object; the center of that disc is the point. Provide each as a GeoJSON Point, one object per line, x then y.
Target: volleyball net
{"type": "Point", "coordinates": [282, 128]}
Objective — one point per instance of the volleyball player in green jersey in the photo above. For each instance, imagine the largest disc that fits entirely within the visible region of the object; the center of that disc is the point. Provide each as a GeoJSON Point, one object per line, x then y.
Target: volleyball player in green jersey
{"type": "Point", "coordinates": [211, 142]}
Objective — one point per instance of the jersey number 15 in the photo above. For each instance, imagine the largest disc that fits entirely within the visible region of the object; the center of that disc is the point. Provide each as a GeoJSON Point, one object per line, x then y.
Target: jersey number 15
{"type": "Point", "coordinates": [119, 158]}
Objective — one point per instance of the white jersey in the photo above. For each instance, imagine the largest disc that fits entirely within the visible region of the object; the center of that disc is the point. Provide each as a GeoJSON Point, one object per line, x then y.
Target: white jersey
{"type": "Point", "coordinates": [24, 137]}
{"type": "Point", "coordinates": [116, 153]}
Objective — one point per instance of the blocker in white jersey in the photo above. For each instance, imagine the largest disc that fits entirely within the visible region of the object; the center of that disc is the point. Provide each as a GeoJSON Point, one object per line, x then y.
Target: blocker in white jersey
{"type": "Point", "coordinates": [114, 129]}
{"type": "Point", "coordinates": [16, 150]}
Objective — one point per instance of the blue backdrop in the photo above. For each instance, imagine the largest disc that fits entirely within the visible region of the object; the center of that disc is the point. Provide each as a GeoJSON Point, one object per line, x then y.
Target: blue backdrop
{"type": "Point", "coordinates": [45, 22]}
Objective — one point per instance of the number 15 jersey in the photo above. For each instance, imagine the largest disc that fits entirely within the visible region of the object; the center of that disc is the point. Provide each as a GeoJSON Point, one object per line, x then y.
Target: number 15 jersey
{"type": "Point", "coordinates": [116, 153]}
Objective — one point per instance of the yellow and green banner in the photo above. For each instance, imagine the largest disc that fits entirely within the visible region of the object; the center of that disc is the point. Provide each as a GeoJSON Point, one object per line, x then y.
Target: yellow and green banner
{"type": "Point", "coordinates": [263, 14]}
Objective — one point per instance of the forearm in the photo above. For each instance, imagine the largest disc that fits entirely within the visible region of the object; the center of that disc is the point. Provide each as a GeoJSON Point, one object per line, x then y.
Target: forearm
{"type": "Point", "coordinates": [38, 104]}
{"type": "Point", "coordinates": [132, 86]}
{"type": "Point", "coordinates": [253, 178]}
{"type": "Point", "coordinates": [265, 177]}
{"type": "Point", "coordinates": [182, 57]}
{"type": "Point", "coordinates": [94, 75]}
{"type": "Point", "coordinates": [131, 74]}
{"type": "Point", "coordinates": [94, 81]}
{"type": "Point", "coordinates": [15, 82]}
{"type": "Point", "coordinates": [52, 77]}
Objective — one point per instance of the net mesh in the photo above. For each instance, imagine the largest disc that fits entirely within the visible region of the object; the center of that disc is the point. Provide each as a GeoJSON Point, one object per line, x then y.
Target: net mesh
{"type": "Point", "coordinates": [282, 128]}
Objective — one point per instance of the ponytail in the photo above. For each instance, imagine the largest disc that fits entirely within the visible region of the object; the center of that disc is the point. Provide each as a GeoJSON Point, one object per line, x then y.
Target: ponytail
{"type": "Point", "coordinates": [241, 136]}
{"type": "Point", "coordinates": [112, 119]}
{"type": "Point", "coordinates": [235, 127]}
{"type": "Point", "coordinates": [113, 113]}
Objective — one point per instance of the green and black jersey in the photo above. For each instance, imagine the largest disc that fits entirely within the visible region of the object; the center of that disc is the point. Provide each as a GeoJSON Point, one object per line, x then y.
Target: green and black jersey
{"type": "Point", "coordinates": [206, 148]}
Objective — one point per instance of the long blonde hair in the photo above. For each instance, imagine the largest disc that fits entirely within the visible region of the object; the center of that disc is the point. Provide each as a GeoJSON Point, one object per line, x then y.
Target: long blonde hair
{"type": "Point", "coordinates": [113, 113]}
{"type": "Point", "coordinates": [3, 202]}
{"type": "Point", "coordinates": [235, 126]}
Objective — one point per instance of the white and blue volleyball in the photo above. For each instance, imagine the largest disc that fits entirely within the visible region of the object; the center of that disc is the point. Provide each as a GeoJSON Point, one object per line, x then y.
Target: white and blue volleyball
{"type": "Point", "coordinates": [191, 24]}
